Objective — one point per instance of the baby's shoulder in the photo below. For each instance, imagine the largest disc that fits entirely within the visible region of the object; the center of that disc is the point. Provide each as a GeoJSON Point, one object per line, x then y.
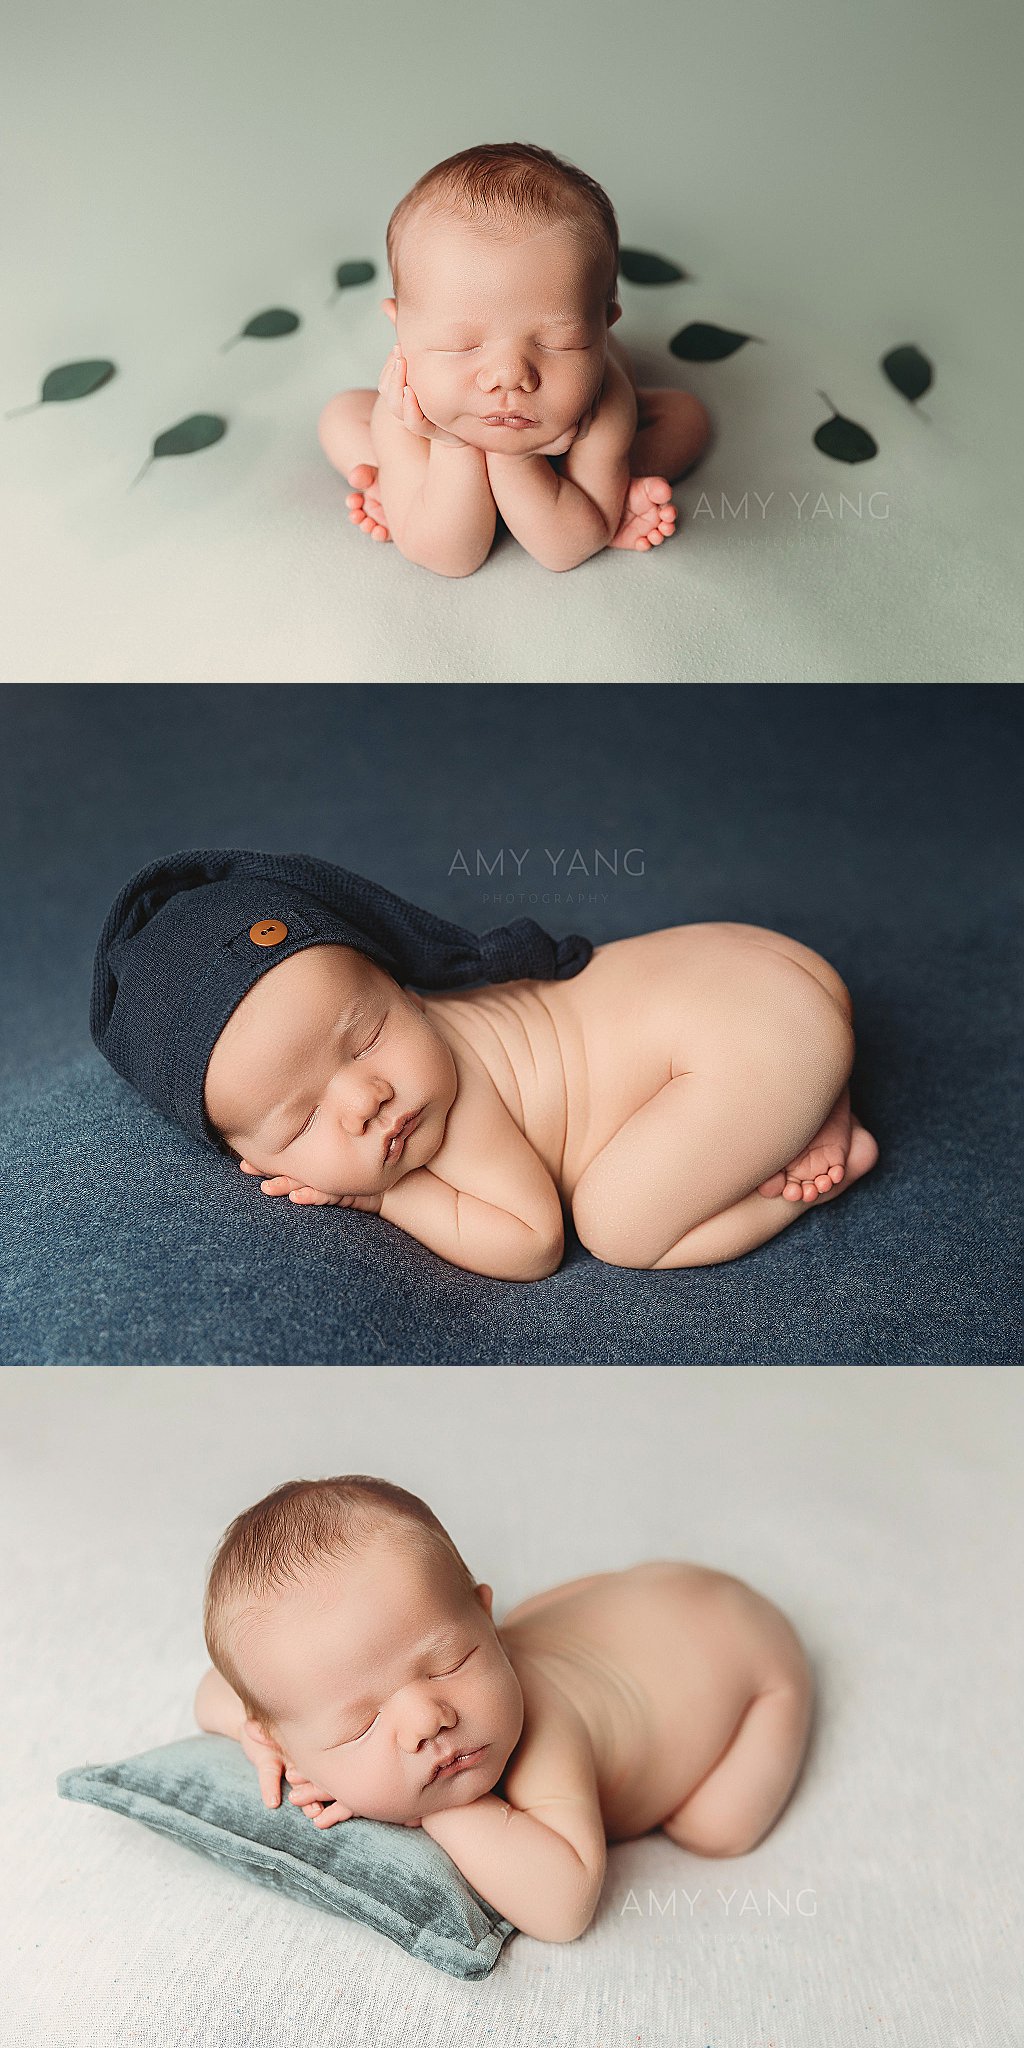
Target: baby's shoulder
{"type": "Point", "coordinates": [555, 1751]}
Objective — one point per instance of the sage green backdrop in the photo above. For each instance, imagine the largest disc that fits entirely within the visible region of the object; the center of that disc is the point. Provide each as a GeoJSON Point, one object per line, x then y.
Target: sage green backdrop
{"type": "Point", "coordinates": [837, 181]}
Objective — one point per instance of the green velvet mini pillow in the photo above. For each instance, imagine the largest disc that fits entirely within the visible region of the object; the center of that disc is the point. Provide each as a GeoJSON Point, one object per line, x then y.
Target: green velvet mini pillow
{"type": "Point", "coordinates": [204, 1793]}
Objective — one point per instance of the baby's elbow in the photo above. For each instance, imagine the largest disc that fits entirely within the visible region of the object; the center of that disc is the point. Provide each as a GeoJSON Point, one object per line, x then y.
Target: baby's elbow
{"type": "Point", "coordinates": [570, 1918]}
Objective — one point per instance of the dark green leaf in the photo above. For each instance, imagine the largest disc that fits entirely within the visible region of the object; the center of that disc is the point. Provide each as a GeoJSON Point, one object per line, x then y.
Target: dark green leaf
{"type": "Point", "coordinates": [267, 326]}
{"type": "Point", "coordinates": [354, 273]}
{"type": "Point", "coordinates": [909, 370]}
{"type": "Point", "coordinates": [843, 439]}
{"type": "Point", "coordinates": [71, 380]}
{"type": "Point", "coordinates": [702, 343]}
{"type": "Point", "coordinates": [638, 266]}
{"type": "Point", "coordinates": [76, 380]}
{"type": "Point", "coordinates": [200, 430]}
{"type": "Point", "coordinates": [351, 273]}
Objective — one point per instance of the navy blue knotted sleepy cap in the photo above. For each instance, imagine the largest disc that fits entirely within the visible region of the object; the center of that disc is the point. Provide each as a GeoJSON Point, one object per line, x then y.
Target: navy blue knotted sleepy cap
{"type": "Point", "coordinates": [189, 936]}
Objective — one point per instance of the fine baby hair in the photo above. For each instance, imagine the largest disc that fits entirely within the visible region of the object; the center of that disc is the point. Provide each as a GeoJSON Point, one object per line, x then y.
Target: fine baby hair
{"type": "Point", "coordinates": [501, 186]}
{"type": "Point", "coordinates": [296, 1527]}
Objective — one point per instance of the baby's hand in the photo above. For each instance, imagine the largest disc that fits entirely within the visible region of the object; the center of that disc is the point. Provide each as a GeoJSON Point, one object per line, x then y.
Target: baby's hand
{"type": "Point", "coordinates": [281, 1184]}
{"type": "Point", "coordinates": [401, 399]}
{"type": "Point", "coordinates": [564, 441]}
{"type": "Point", "coordinates": [268, 1761]}
{"type": "Point", "coordinates": [317, 1805]}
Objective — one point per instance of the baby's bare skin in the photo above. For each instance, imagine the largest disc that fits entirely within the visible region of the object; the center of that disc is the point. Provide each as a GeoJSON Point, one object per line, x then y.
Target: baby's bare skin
{"type": "Point", "coordinates": [694, 1691]}
{"type": "Point", "coordinates": [685, 1097]}
{"type": "Point", "coordinates": [539, 344]}
{"type": "Point", "coordinates": [739, 1049]}
{"type": "Point", "coordinates": [667, 1695]}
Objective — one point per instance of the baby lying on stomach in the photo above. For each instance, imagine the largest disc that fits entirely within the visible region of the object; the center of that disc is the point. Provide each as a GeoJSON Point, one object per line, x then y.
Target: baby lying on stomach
{"type": "Point", "coordinates": [504, 260]}
{"type": "Point", "coordinates": [356, 1656]}
{"type": "Point", "coordinates": [682, 1094]}
{"type": "Point", "coordinates": [685, 1097]}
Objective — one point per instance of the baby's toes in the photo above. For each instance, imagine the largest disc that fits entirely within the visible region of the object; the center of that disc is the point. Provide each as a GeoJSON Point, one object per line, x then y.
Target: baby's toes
{"type": "Point", "coordinates": [772, 1186]}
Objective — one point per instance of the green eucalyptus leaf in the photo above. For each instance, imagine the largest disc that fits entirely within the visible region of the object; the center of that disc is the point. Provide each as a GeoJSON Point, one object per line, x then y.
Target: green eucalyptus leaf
{"type": "Point", "coordinates": [267, 326]}
{"type": "Point", "coordinates": [354, 273]}
{"type": "Point", "coordinates": [909, 370]}
{"type": "Point", "coordinates": [348, 274]}
{"type": "Point", "coordinates": [70, 380]}
{"type": "Point", "coordinates": [843, 439]}
{"type": "Point", "coordinates": [199, 430]}
{"type": "Point", "coordinates": [702, 343]}
{"type": "Point", "coordinates": [639, 266]}
{"type": "Point", "coordinates": [76, 380]}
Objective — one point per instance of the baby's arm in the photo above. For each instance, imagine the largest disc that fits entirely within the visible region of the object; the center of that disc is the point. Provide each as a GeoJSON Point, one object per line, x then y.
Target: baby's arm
{"type": "Point", "coordinates": [562, 520]}
{"type": "Point", "coordinates": [433, 486]}
{"type": "Point", "coordinates": [538, 1855]}
{"type": "Point", "coordinates": [219, 1711]}
{"type": "Point", "coordinates": [485, 1201]}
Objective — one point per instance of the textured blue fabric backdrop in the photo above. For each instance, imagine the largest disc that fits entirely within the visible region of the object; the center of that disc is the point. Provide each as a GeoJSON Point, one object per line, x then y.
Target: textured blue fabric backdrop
{"type": "Point", "coordinates": [876, 824]}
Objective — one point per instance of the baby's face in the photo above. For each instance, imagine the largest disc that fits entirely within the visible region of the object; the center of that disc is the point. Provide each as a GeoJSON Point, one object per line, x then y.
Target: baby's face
{"type": "Point", "coordinates": [509, 326]}
{"type": "Point", "coordinates": [377, 1667]}
{"type": "Point", "coordinates": [318, 1063]}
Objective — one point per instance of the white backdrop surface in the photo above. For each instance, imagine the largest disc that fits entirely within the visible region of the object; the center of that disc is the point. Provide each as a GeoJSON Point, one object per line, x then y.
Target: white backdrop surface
{"type": "Point", "coordinates": [881, 1510]}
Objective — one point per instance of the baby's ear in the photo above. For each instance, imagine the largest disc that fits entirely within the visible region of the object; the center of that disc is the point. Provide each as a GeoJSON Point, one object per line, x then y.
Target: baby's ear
{"type": "Point", "coordinates": [485, 1595]}
{"type": "Point", "coordinates": [390, 307]}
{"type": "Point", "coordinates": [614, 313]}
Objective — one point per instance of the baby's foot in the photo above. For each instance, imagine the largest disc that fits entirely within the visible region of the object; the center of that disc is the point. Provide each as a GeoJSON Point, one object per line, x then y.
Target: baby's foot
{"type": "Point", "coordinates": [819, 1169]}
{"type": "Point", "coordinates": [364, 506]}
{"type": "Point", "coordinates": [861, 1155]}
{"type": "Point", "coordinates": [648, 516]}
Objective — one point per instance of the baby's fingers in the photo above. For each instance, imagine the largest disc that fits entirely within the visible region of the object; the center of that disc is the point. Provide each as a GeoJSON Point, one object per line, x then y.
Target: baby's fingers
{"type": "Point", "coordinates": [330, 1815]}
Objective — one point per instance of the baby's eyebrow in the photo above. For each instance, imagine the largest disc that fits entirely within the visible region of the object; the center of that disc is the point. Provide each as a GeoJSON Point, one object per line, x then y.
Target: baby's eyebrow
{"type": "Point", "coordinates": [546, 320]}
{"type": "Point", "coordinates": [283, 1112]}
{"type": "Point", "coordinates": [436, 1646]}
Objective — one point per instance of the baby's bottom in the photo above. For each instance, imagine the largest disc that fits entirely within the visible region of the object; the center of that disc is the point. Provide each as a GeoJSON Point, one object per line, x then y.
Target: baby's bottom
{"type": "Point", "coordinates": [672, 433]}
{"type": "Point", "coordinates": [678, 1184]}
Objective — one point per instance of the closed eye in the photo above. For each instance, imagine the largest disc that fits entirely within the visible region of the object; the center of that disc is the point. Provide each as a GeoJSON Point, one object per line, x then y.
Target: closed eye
{"type": "Point", "coordinates": [311, 1119]}
{"type": "Point", "coordinates": [349, 1740]}
{"type": "Point", "coordinates": [372, 1042]}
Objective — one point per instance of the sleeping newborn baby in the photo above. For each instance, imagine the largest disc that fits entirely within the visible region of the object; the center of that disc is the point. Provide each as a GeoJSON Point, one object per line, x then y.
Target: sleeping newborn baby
{"type": "Point", "coordinates": [682, 1094]}
{"type": "Point", "coordinates": [504, 261]}
{"type": "Point", "coordinates": [356, 1655]}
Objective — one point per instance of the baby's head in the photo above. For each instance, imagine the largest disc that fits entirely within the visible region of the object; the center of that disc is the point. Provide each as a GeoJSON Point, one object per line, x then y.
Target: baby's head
{"type": "Point", "coordinates": [341, 1613]}
{"type": "Point", "coordinates": [504, 261]}
{"type": "Point", "coordinates": [264, 1002]}
{"type": "Point", "coordinates": [319, 1063]}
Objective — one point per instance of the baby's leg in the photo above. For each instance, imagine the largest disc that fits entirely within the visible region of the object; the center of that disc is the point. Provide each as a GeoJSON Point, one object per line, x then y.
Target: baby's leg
{"type": "Point", "coordinates": [344, 430]}
{"type": "Point", "coordinates": [677, 1184]}
{"type": "Point", "coordinates": [673, 430]}
{"type": "Point", "coordinates": [672, 433]}
{"type": "Point", "coordinates": [744, 1793]}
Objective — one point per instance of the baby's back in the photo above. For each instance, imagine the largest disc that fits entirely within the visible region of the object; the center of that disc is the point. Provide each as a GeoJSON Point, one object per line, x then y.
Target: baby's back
{"type": "Point", "coordinates": [573, 1060]}
{"type": "Point", "coordinates": [660, 1661]}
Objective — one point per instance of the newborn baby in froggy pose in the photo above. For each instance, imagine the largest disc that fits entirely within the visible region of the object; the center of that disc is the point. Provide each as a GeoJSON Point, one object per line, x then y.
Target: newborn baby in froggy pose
{"type": "Point", "coordinates": [356, 1655]}
{"type": "Point", "coordinates": [682, 1094]}
{"type": "Point", "coordinates": [504, 260]}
